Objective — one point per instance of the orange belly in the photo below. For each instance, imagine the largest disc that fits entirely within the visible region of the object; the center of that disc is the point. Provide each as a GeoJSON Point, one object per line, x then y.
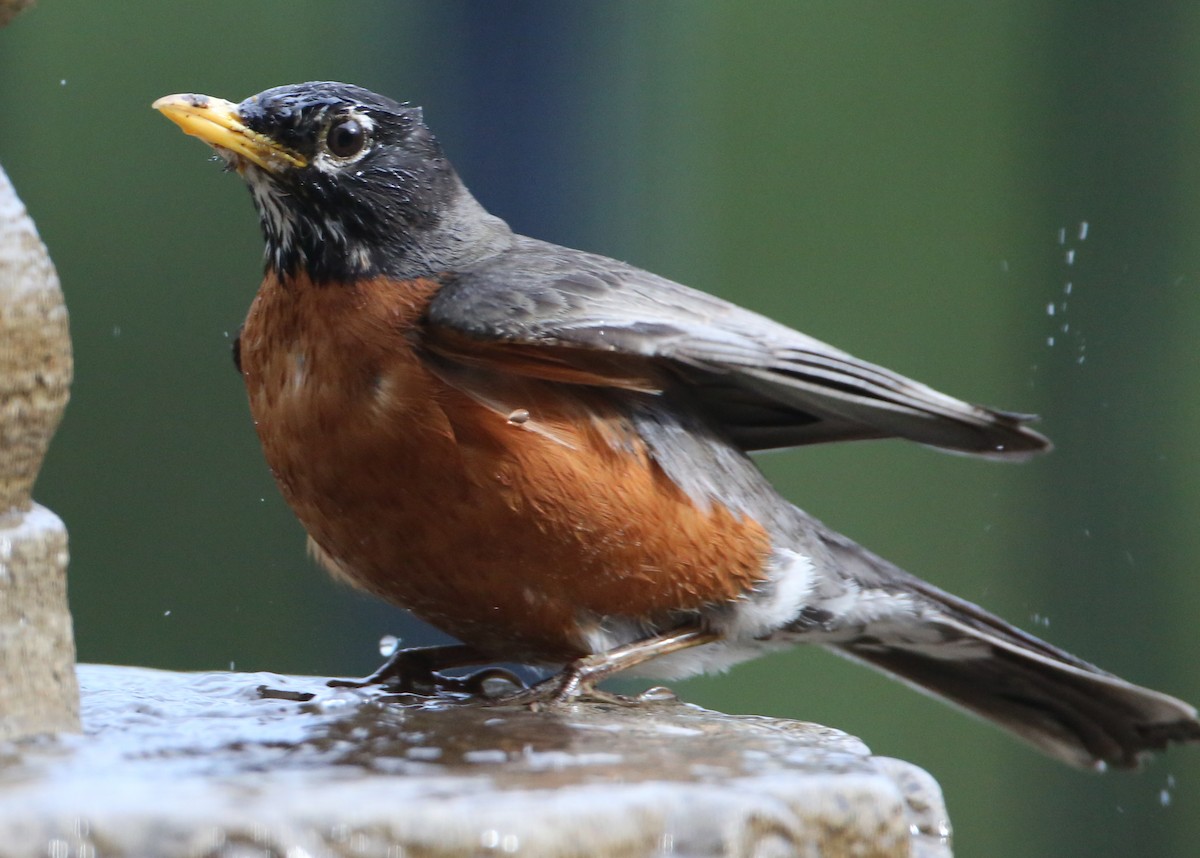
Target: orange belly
{"type": "Point", "coordinates": [515, 520]}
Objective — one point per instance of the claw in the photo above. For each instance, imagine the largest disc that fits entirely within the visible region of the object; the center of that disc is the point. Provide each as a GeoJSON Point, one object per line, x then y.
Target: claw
{"type": "Point", "coordinates": [415, 670]}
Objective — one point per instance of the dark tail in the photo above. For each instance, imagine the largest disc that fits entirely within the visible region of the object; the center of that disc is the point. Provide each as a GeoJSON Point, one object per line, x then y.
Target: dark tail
{"type": "Point", "coordinates": [1058, 703]}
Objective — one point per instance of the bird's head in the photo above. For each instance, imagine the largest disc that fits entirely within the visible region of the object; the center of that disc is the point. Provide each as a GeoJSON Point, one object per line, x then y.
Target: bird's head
{"type": "Point", "coordinates": [347, 183]}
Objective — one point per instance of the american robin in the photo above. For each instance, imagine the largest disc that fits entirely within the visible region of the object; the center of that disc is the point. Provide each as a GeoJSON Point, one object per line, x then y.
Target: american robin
{"type": "Point", "coordinates": [544, 452]}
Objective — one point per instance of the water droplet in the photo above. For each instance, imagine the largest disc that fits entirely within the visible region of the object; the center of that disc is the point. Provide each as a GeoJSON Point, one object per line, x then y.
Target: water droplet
{"type": "Point", "coordinates": [1062, 235]}
{"type": "Point", "coordinates": [496, 682]}
{"type": "Point", "coordinates": [1050, 309]}
{"type": "Point", "coordinates": [1050, 341]}
{"type": "Point", "coordinates": [1083, 230]}
{"type": "Point", "coordinates": [1070, 257]}
{"type": "Point", "coordinates": [388, 644]}
{"type": "Point", "coordinates": [657, 694]}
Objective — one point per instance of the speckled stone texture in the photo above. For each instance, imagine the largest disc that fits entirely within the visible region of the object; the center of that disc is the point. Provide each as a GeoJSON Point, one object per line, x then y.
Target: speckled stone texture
{"type": "Point", "coordinates": [37, 648]}
{"type": "Point", "coordinates": [203, 765]}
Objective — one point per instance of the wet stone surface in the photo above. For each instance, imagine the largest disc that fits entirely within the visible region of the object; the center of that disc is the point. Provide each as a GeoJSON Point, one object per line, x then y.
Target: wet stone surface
{"type": "Point", "coordinates": [204, 765]}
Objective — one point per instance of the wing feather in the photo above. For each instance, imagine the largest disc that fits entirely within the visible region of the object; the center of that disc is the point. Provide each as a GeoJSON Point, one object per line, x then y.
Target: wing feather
{"type": "Point", "coordinates": [604, 322]}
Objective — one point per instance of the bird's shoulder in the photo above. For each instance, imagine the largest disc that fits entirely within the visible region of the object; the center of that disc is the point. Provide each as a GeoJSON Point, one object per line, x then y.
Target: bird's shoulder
{"type": "Point", "coordinates": [539, 291]}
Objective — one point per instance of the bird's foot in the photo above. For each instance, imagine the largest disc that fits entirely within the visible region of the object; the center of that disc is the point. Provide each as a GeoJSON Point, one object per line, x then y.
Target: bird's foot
{"type": "Point", "coordinates": [552, 695]}
{"type": "Point", "coordinates": [418, 671]}
{"type": "Point", "coordinates": [578, 680]}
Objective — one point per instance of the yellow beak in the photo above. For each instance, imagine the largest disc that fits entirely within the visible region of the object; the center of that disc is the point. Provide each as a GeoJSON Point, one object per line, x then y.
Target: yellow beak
{"type": "Point", "coordinates": [217, 122]}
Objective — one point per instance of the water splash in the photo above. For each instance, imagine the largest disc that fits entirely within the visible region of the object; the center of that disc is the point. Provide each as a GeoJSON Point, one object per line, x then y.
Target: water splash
{"type": "Point", "coordinates": [1058, 308]}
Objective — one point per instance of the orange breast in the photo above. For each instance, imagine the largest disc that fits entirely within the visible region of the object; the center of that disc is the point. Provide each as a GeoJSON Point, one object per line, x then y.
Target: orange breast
{"type": "Point", "coordinates": [515, 517]}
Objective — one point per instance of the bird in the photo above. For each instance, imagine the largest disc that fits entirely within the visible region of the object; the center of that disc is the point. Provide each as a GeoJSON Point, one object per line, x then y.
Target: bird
{"type": "Point", "coordinates": [547, 453]}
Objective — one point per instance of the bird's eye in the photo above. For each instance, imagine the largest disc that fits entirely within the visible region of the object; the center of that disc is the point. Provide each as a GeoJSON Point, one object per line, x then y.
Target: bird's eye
{"type": "Point", "coordinates": [346, 138]}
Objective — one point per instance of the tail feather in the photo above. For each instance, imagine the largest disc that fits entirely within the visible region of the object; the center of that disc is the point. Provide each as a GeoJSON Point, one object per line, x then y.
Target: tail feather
{"type": "Point", "coordinates": [1060, 704]}
{"type": "Point", "coordinates": [1082, 716]}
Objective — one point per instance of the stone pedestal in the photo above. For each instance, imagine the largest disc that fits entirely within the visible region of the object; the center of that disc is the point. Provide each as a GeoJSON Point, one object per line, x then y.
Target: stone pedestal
{"type": "Point", "coordinates": [203, 765]}
{"type": "Point", "coordinates": [38, 691]}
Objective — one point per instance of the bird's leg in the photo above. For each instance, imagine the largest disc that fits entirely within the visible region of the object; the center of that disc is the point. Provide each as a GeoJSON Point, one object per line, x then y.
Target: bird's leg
{"type": "Point", "coordinates": [580, 677]}
{"type": "Point", "coordinates": [416, 670]}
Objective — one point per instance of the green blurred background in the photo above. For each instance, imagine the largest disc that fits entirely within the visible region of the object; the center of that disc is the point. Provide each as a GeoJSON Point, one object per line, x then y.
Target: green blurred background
{"type": "Point", "coordinates": [906, 180]}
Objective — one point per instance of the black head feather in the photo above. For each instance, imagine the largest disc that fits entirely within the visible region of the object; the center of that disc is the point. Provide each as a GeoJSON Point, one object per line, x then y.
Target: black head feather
{"type": "Point", "coordinates": [375, 194]}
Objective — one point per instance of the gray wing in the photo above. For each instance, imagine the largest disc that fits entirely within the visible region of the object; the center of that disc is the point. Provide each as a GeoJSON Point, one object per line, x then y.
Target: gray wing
{"type": "Point", "coordinates": [767, 385]}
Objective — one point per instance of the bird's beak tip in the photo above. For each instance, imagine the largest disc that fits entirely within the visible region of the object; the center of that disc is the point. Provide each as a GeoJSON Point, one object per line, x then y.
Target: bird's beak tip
{"type": "Point", "coordinates": [219, 123]}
